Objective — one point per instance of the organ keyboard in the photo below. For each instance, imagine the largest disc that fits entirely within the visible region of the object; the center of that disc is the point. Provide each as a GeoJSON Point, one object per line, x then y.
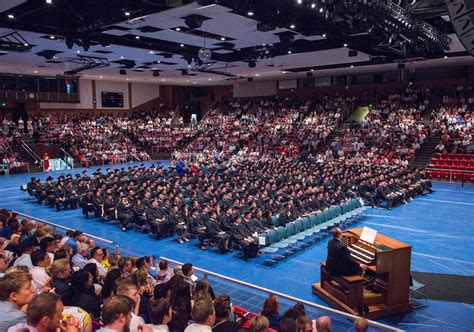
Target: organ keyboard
{"type": "Point", "coordinates": [385, 288]}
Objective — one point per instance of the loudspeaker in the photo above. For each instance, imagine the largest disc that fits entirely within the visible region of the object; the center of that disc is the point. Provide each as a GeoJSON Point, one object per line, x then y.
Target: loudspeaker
{"type": "Point", "coordinates": [249, 79]}
{"type": "Point", "coordinates": [194, 21]}
{"type": "Point", "coordinates": [309, 74]}
{"type": "Point", "coordinates": [156, 73]}
{"type": "Point", "coordinates": [401, 66]}
{"type": "Point", "coordinates": [353, 53]}
{"type": "Point", "coordinates": [122, 72]}
{"type": "Point", "coordinates": [461, 13]}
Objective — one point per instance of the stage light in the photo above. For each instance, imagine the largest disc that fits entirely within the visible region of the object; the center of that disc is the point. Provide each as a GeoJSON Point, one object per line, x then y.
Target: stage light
{"type": "Point", "coordinates": [127, 13]}
{"type": "Point", "coordinates": [345, 45]}
{"type": "Point", "coordinates": [51, 37]}
{"type": "Point", "coordinates": [10, 16]}
{"type": "Point", "coordinates": [222, 38]}
{"type": "Point", "coordinates": [250, 13]}
{"type": "Point", "coordinates": [178, 29]}
{"type": "Point", "coordinates": [137, 37]}
{"type": "Point", "coordinates": [292, 26]}
{"type": "Point", "coordinates": [313, 5]}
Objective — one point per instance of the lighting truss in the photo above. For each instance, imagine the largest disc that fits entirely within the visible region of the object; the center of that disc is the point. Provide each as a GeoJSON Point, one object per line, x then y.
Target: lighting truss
{"type": "Point", "coordinates": [14, 42]}
{"type": "Point", "coordinates": [87, 62]}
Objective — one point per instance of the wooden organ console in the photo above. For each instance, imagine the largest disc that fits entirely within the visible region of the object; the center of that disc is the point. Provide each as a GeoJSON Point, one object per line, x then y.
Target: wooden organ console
{"type": "Point", "coordinates": [383, 291]}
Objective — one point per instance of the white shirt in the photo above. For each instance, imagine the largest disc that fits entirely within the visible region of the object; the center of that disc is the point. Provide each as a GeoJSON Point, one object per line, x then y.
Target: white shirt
{"type": "Point", "coordinates": [135, 322]}
{"type": "Point", "coordinates": [39, 277]}
{"type": "Point", "coordinates": [195, 327]}
{"type": "Point", "coordinates": [160, 328]}
{"type": "Point", "coordinates": [24, 259]}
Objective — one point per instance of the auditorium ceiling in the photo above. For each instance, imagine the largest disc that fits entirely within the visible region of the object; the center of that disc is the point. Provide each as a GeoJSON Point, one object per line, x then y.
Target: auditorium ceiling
{"type": "Point", "coordinates": [158, 40]}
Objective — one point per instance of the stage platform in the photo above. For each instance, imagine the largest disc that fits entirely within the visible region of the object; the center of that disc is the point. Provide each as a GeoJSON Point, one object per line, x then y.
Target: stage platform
{"type": "Point", "coordinates": [438, 226]}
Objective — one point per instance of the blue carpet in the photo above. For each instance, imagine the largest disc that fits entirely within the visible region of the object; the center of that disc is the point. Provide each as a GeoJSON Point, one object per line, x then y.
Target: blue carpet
{"type": "Point", "coordinates": [438, 227]}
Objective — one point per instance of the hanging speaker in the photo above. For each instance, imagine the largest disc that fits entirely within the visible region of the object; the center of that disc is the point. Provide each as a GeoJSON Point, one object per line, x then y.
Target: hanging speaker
{"type": "Point", "coordinates": [461, 13]}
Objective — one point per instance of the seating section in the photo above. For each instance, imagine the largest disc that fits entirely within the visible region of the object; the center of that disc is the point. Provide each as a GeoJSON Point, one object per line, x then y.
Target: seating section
{"type": "Point", "coordinates": [283, 242]}
{"type": "Point", "coordinates": [451, 167]}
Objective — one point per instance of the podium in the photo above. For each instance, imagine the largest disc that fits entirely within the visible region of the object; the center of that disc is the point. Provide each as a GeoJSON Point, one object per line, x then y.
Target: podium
{"type": "Point", "coordinates": [385, 288]}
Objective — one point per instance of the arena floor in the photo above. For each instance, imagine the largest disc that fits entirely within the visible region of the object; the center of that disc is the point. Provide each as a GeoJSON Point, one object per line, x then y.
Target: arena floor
{"type": "Point", "coordinates": [438, 226]}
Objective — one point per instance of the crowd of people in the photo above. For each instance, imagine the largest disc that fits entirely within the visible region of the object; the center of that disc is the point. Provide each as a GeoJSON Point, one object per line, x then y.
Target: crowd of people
{"type": "Point", "coordinates": [255, 127]}
{"type": "Point", "coordinates": [223, 202]}
{"type": "Point", "coordinates": [454, 122]}
{"type": "Point", "coordinates": [50, 281]}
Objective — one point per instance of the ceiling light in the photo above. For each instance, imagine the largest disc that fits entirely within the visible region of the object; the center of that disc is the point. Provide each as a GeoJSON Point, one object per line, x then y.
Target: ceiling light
{"type": "Point", "coordinates": [284, 72]}
{"type": "Point", "coordinates": [26, 44]}
{"type": "Point", "coordinates": [128, 79]}
{"type": "Point", "coordinates": [137, 37]}
{"type": "Point", "coordinates": [324, 35]}
{"type": "Point", "coordinates": [189, 66]}
{"type": "Point", "coordinates": [127, 13]}
{"type": "Point", "coordinates": [158, 61]}
{"type": "Point", "coordinates": [163, 80]}
{"type": "Point", "coordinates": [445, 56]}
{"type": "Point", "coordinates": [78, 51]}
{"type": "Point", "coordinates": [187, 80]}
{"type": "Point", "coordinates": [257, 74]}
{"type": "Point", "coordinates": [345, 45]}
{"type": "Point", "coordinates": [250, 13]}
{"type": "Point", "coordinates": [51, 37]}
{"type": "Point", "coordinates": [36, 72]}
{"type": "Point", "coordinates": [352, 66]}
{"type": "Point", "coordinates": [122, 57]}
{"type": "Point", "coordinates": [194, 82]}
{"type": "Point", "coordinates": [49, 1]}
{"type": "Point", "coordinates": [289, 52]}
{"type": "Point", "coordinates": [11, 16]}
{"type": "Point", "coordinates": [209, 79]}
{"type": "Point", "coordinates": [312, 69]}
{"type": "Point", "coordinates": [100, 77]}
{"type": "Point", "coordinates": [222, 38]}
{"type": "Point", "coordinates": [321, 9]}
{"type": "Point", "coordinates": [313, 5]}
{"type": "Point", "coordinates": [178, 29]}
{"type": "Point", "coordinates": [182, 45]}
{"type": "Point", "coordinates": [292, 26]}
{"type": "Point", "coordinates": [299, 2]}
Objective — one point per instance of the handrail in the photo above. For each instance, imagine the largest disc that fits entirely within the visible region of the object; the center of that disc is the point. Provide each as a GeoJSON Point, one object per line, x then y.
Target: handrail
{"type": "Point", "coordinates": [30, 151]}
{"type": "Point", "coordinates": [95, 238]}
{"type": "Point", "coordinates": [448, 170]}
{"type": "Point", "coordinates": [285, 296]}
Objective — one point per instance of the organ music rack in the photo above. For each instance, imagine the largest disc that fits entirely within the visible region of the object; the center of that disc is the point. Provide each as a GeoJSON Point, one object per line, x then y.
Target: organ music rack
{"type": "Point", "coordinates": [385, 288]}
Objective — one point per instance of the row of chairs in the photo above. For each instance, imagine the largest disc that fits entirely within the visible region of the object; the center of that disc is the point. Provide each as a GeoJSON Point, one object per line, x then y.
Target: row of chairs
{"type": "Point", "coordinates": [452, 166]}
{"type": "Point", "coordinates": [284, 241]}
{"type": "Point", "coordinates": [448, 175]}
{"type": "Point", "coordinates": [454, 156]}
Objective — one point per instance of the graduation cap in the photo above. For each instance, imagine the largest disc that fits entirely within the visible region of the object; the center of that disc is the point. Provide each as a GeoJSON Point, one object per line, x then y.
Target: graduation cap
{"type": "Point", "coordinates": [49, 178]}
{"type": "Point", "coordinates": [78, 175]}
{"type": "Point", "coordinates": [69, 176]}
{"type": "Point", "coordinates": [84, 172]}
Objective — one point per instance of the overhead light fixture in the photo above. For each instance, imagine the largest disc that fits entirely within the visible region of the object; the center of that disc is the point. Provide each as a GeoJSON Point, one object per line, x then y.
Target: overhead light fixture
{"type": "Point", "coordinates": [194, 83]}
{"type": "Point", "coordinates": [49, 1]}
{"type": "Point", "coordinates": [445, 56]}
{"type": "Point", "coordinates": [26, 44]}
{"type": "Point", "coordinates": [178, 29]}
{"type": "Point", "coordinates": [122, 57]}
{"type": "Point", "coordinates": [223, 38]}
{"type": "Point", "coordinates": [299, 2]}
{"type": "Point", "coordinates": [324, 35]}
{"type": "Point", "coordinates": [163, 80]}
{"type": "Point", "coordinates": [127, 13]}
{"type": "Point", "coordinates": [100, 77]}
{"type": "Point", "coordinates": [289, 52]}
{"type": "Point", "coordinates": [250, 13]}
{"type": "Point", "coordinates": [78, 51]}
{"type": "Point", "coordinates": [257, 75]}
{"type": "Point", "coordinates": [292, 26]}
{"type": "Point", "coordinates": [345, 45]}
{"type": "Point", "coordinates": [209, 79]}
{"type": "Point", "coordinates": [51, 37]}
{"type": "Point", "coordinates": [137, 37]}
{"type": "Point", "coordinates": [10, 16]}
{"type": "Point", "coordinates": [352, 66]}
{"type": "Point", "coordinates": [313, 5]}
{"type": "Point", "coordinates": [321, 10]}
{"type": "Point", "coordinates": [36, 72]}
{"type": "Point", "coordinates": [128, 79]}
{"type": "Point", "coordinates": [182, 45]}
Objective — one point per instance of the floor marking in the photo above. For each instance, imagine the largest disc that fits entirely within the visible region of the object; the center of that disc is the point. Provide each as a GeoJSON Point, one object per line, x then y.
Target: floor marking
{"type": "Point", "coordinates": [440, 257]}
{"type": "Point", "coordinates": [8, 189]}
{"type": "Point", "coordinates": [444, 201]}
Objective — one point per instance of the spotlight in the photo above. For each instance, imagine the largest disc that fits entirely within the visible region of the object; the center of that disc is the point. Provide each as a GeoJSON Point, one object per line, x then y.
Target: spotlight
{"type": "Point", "coordinates": [252, 64]}
{"type": "Point", "coordinates": [10, 16]}
{"type": "Point", "coordinates": [313, 5]}
{"type": "Point", "coordinates": [127, 13]}
{"type": "Point", "coordinates": [69, 42]}
{"type": "Point", "coordinates": [250, 13]}
{"type": "Point", "coordinates": [86, 43]}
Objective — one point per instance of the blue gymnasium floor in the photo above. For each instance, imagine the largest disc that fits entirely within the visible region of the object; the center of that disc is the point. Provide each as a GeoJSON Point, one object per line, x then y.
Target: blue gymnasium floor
{"type": "Point", "coordinates": [438, 226]}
